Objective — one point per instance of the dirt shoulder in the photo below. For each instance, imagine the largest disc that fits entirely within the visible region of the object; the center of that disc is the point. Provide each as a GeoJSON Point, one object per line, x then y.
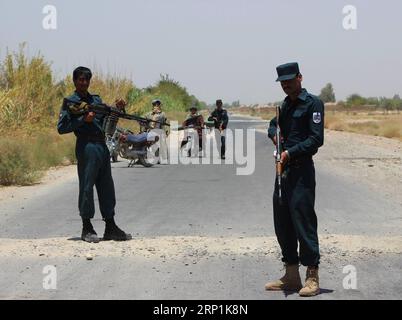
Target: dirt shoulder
{"type": "Point", "coordinates": [374, 161]}
{"type": "Point", "coordinates": [52, 178]}
{"type": "Point", "coordinates": [192, 248]}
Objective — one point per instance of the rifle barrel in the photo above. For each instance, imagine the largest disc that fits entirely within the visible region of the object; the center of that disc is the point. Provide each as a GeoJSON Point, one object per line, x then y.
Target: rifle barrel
{"type": "Point", "coordinates": [106, 109]}
{"type": "Point", "coordinates": [278, 154]}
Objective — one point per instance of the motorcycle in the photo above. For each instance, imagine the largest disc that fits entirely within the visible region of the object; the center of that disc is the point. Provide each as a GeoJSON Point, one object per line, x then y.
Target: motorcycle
{"type": "Point", "coordinates": [133, 147]}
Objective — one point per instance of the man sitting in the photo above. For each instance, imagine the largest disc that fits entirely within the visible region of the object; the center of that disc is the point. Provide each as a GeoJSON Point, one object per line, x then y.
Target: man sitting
{"type": "Point", "coordinates": [141, 138]}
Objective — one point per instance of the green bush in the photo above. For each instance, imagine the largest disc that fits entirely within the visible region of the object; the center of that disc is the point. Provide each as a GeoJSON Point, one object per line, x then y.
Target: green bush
{"type": "Point", "coordinates": [173, 95]}
{"type": "Point", "coordinates": [355, 100]}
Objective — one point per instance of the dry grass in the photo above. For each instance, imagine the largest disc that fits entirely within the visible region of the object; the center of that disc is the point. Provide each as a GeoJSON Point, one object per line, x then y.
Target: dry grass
{"type": "Point", "coordinates": [23, 158]}
{"type": "Point", "coordinates": [376, 124]}
{"type": "Point", "coordinates": [358, 120]}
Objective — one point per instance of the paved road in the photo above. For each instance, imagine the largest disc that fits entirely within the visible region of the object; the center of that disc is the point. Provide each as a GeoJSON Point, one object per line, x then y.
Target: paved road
{"type": "Point", "coordinates": [200, 232]}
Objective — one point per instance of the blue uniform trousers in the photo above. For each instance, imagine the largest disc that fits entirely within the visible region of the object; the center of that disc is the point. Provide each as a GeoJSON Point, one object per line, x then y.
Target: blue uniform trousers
{"type": "Point", "coordinates": [295, 220]}
{"type": "Point", "coordinates": [93, 162]}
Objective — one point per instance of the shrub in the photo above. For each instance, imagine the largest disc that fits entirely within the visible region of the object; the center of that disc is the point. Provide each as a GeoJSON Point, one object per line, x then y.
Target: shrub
{"type": "Point", "coordinates": [16, 163]}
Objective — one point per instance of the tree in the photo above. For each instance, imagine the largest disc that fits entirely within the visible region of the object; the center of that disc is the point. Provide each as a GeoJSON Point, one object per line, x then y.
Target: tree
{"type": "Point", "coordinates": [355, 100]}
{"type": "Point", "coordinates": [396, 102]}
{"type": "Point", "coordinates": [327, 93]}
{"type": "Point", "coordinates": [235, 104]}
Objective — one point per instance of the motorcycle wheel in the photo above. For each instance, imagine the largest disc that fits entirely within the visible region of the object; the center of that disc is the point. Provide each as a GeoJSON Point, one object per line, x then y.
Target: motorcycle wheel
{"type": "Point", "coordinates": [123, 151]}
{"type": "Point", "coordinates": [114, 157]}
{"type": "Point", "coordinates": [144, 162]}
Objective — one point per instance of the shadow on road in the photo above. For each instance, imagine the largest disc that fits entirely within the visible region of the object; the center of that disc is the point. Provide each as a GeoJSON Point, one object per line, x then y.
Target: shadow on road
{"type": "Point", "coordinates": [322, 291]}
{"type": "Point", "coordinates": [74, 239]}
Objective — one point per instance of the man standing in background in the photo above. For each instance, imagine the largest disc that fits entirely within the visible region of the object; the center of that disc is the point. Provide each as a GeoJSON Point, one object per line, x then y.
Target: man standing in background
{"type": "Point", "coordinates": [220, 118]}
{"type": "Point", "coordinates": [160, 149]}
{"type": "Point", "coordinates": [194, 121]}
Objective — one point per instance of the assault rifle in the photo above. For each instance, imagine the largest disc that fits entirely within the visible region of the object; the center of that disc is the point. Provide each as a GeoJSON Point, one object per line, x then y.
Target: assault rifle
{"type": "Point", "coordinates": [278, 153]}
{"type": "Point", "coordinates": [102, 108]}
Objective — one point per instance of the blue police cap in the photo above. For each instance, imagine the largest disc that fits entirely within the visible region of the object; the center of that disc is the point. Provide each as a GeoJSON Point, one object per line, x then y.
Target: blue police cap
{"type": "Point", "coordinates": [287, 71]}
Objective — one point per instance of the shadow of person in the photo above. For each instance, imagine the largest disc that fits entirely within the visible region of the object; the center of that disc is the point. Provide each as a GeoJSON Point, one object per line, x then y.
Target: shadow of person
{"type": "Point", "coordinates": [79, 239]}
{"type": "Point", "coordinates": [322, 291]}
{"type": "Point", "coordinates": [287, 293]}
{"type": "Point", "coordinates": [74, 239]}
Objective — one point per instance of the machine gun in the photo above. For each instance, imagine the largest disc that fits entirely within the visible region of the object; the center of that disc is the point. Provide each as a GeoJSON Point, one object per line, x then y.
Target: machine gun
{"type": "Point", "coordinates": [113, 114]}
{"type": "Point", "coordinates": [192, 124]}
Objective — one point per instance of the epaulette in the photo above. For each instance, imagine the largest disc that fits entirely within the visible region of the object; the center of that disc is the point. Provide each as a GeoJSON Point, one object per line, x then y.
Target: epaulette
{"type": "Point", "coordinates": [312, 96]}
{"type": "Point", "coordinates": [73, 97]}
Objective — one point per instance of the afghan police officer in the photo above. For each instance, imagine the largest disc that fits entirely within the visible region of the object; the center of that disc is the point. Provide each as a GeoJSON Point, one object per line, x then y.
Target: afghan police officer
{"type": "Point", "coordinates": [93, 159]}
{"type": "Point", "coordinates": [160, 149]}
{"type": "Point", "coordinates": [194, 121]}
{"type": "Point", "coordinates": [220, 118]}
{"type": "Point", "coordinates": [302, 125]}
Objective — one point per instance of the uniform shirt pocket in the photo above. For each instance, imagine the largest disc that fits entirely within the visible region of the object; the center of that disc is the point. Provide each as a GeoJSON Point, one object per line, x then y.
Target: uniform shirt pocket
{"type": "Point", "coordinates": [299, 120]}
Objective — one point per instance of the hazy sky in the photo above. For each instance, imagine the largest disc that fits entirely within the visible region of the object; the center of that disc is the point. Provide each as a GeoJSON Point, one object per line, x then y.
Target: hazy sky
{"type": "Point", "coordinates": [218, 48]}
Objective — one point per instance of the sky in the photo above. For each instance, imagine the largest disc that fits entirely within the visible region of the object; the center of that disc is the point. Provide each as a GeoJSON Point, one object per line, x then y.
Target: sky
{"type": "Point", "coordinates": [226, 49]}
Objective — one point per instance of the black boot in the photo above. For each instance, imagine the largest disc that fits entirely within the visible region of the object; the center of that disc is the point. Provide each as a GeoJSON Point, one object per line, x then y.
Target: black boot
{"type": "Point", "coordinates": [113, 232]}
{"type": "Point", "coordinates": [223, 153]}
{"type": "Point", "coordinates": [223, 147]}
{"type": "Point", "coordinates": [88, 233]}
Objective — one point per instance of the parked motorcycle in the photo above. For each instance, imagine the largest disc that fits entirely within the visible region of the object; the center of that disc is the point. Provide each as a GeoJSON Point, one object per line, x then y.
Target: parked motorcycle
{"type": "Point", "coordinates": [133, 147]}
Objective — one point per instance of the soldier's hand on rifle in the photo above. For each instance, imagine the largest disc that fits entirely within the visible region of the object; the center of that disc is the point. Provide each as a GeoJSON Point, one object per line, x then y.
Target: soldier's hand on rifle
{"type": "Point", "coordinates": [89, 117]}
{"type": "Point", "coordinates": [120, 104]}
{"type": "Point", "coordinates": [274, 140]}
{"type": "Point", "coordinates": [284, 157]}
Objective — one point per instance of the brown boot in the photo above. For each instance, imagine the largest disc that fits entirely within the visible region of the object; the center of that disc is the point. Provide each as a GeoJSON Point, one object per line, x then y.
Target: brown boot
{"type": "Point", "coordinates": [289, 282]}
{"type": "Point", "coordinates": [311, 286]}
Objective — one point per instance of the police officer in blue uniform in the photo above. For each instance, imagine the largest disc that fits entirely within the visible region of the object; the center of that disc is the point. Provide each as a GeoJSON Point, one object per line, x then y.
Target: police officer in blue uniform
{"type": "Point", "coordinates": [295, 220]}
{"type": "Point", "coordinates": [220, 118]}
{"type": "Point", "coordinates": [93, 159]}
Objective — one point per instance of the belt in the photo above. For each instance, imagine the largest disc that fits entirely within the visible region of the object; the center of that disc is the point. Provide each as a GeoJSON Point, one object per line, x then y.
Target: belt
{"type": "Point", "coordinates": [91, 138]}
{"type": "Point", "coordinates": [296, 162]}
